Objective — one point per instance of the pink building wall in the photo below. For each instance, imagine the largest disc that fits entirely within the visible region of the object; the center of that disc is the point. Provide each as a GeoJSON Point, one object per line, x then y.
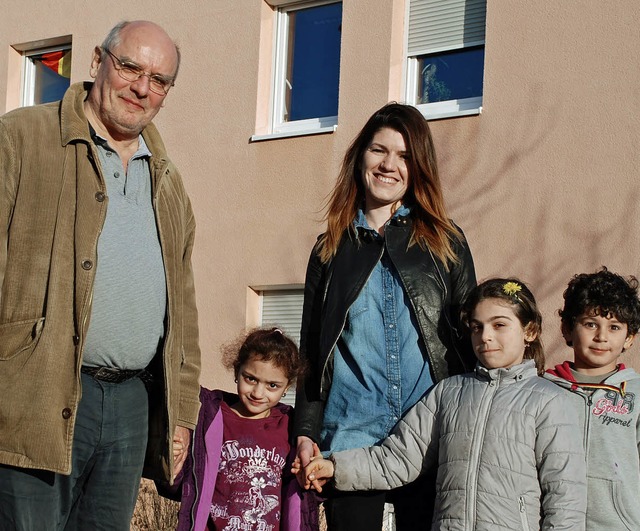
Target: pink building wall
{"type": "Point", "coordinates": [545, 181]}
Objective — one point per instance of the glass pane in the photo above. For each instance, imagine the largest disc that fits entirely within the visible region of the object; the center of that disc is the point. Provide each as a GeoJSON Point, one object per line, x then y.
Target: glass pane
{"type": "Point", "coordinates": [313, 66]}
{"type": "Point", "coordinates": [450, 75]}
{"type": "Point", "coordinates": [49, 84]}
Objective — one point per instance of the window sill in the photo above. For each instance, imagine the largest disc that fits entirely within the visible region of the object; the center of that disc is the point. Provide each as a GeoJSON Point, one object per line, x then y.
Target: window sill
{"type": "Point", "coordinates": [452, 114]}
{"type": "Point", "coordinates": [289, 134]}
{"type": "Point", "coordinates": [451, 109]}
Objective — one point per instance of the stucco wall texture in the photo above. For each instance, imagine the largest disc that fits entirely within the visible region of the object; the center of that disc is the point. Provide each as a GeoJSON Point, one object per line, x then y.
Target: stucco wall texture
{"type": "Point", "coordinates": [544, 181]}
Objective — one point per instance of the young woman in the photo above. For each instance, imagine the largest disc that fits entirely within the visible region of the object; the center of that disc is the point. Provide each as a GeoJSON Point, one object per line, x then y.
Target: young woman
{"type": "Point", "coordinates": [382, 295]}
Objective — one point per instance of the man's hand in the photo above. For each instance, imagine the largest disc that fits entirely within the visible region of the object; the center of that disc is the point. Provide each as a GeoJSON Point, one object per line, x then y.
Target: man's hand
{"type": "Point", "coordinates": [181, 440]}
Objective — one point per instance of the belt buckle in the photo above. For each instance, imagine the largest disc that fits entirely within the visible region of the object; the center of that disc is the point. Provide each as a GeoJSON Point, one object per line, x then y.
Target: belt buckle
{"type": "Point", "coordinates": [106, 373]}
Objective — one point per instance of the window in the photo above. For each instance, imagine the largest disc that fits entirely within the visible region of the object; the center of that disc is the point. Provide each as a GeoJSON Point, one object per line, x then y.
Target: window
{"type": "Point", "coordinates": [283, 308]}
{"type": "Point", "coordinates": [45, 74]}
{"type": "Point", "coordinates": [307, 67]}
{"type": "Point", "coordinates": [445, 56]}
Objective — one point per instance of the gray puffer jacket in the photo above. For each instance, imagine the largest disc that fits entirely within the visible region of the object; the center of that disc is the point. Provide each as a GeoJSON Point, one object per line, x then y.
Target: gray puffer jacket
{"type": "Point", "coordinates": [508, 449]}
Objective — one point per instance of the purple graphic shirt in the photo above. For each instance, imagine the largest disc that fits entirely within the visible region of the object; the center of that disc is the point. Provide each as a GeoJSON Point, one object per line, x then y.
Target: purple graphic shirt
{"type": "Point", "coordinates": [249, 484]}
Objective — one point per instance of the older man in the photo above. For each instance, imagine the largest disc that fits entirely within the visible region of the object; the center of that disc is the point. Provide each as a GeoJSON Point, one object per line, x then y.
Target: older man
{"type": "Point", "coordinates": [99, 357]}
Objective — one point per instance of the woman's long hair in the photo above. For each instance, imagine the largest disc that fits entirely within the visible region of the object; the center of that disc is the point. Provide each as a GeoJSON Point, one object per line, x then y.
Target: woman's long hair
{"type": "Point", "coordinates": [432, 228]}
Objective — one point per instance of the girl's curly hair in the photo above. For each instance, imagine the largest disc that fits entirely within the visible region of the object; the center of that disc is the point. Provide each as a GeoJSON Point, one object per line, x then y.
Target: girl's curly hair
{"type": "Point", "coordinates": [264, 344]}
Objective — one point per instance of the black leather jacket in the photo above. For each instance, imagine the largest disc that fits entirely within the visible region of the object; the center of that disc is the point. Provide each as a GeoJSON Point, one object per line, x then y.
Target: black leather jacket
{"type": "Point", "coordinates": [436, 295]}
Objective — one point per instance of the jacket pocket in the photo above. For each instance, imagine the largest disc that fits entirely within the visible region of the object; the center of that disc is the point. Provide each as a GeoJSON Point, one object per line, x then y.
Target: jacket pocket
{"type": "Point", "coordinates": [19, 338]}
{"type": "Point", "coordinates": [522, 509]}
{"type": "Point", "coordinates": [609, 506]}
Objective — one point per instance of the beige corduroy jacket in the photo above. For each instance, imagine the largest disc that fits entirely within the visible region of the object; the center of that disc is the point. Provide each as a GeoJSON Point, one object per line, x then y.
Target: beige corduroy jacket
{"type": "Point", "coordinates": [53, 203]}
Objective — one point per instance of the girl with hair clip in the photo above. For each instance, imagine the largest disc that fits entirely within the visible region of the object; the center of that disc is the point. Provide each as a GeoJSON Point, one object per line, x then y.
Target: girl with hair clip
{"type": "Point", "coordinates": [235, 474]}
{"type": "Point", "coordinates": [383, 290]}
{"type": "Point", "coordinates": [507, 449]}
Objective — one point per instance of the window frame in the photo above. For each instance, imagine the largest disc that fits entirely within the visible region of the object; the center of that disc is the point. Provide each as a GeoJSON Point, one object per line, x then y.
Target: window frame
{"type": "Point", "coordinates": [278, 126]}
{"type": "Point", "coordinates": [441, 109]}
{"type": "Point", "coordinates": [28, 76]}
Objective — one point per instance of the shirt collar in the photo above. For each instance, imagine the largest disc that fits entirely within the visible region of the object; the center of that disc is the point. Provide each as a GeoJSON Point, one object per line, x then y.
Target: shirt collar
{"type": "Point", "coordinates": [143, 150]}
{"type": "Point", "coordinates": [360, 221]}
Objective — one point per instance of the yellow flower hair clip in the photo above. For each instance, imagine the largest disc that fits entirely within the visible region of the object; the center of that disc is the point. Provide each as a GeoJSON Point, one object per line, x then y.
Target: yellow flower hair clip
{"type": "Point", "coordinates": [512, 289]}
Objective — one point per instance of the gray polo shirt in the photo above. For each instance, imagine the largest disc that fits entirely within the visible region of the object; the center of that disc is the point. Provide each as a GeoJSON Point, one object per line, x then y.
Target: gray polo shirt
{"type": "Point", "coordinates": [129, 293]}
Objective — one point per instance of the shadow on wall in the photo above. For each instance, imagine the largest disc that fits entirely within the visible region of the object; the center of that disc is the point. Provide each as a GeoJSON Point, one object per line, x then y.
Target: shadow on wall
{"type": "Point", "coordinates": [529, 210]}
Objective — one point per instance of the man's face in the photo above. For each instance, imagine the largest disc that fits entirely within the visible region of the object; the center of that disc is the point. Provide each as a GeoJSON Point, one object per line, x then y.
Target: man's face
{"type": "Point", "coordinates": [124, 108]}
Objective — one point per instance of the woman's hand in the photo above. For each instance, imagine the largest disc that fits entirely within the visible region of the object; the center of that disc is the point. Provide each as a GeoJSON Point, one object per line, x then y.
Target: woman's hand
{"type": "Point", "coordinates": [307, 452]}
{"type": "Point", "coordinates": [304, 454]}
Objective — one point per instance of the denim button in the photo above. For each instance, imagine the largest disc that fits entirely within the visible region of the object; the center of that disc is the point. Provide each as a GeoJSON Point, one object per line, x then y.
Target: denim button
{"type": "Point", "coordinates": [66, 413]}
{"type": "Point", "coordinates": [100, 197]}
{"type": "Point", "coordinates": [87, 264]}
{"type": "Point", "coordinates": [116, 174]}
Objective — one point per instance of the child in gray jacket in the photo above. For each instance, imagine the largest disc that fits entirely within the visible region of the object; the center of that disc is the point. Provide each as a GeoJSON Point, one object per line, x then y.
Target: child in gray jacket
{"type": "Point", "coordinates": [506, 446]}
{"type": "Point", "coordinates": [600, 319]}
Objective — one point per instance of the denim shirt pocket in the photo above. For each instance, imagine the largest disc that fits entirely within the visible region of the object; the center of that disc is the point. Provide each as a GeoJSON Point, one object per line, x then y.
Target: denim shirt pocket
{"type": "Point", "coordinates": [361, 305]}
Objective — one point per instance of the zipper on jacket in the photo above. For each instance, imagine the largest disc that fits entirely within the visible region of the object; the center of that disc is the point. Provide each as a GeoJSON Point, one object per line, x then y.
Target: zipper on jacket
{"type": "Point", "coordinates": [523, 513]}
{"type": "Point", "coordinates": [587, 425]}
{"type": "Point", "coordinates": [344, 321]}
{"type": "Point", "coordinates": [476, 447]}
{"type": "Point", "coordinates": [195, 481]}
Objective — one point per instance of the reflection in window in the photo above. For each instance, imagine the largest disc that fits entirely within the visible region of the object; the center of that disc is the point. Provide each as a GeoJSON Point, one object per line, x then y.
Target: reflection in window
{"type": "Point", "coordinates": [451, 75]}
{"type": "Point", "coordinates": [313, 68]}
{"type": "Point", "coordinates": [46, 76]}
{"type": "Point", "coordinates": [445, 56]}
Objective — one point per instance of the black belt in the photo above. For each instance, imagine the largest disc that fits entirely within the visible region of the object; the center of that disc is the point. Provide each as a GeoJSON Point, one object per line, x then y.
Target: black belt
{"type": "Point", "coordinates": [113, 375]}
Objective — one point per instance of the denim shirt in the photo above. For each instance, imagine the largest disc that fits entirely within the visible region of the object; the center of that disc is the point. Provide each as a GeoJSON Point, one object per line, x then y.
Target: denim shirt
{"type": "Point", "coordinates": [380, 369]}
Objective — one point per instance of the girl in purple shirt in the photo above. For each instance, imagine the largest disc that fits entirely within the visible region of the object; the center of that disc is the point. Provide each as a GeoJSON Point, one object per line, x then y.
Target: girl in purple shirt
{"type": "Point", "coordinates": [235, 475]}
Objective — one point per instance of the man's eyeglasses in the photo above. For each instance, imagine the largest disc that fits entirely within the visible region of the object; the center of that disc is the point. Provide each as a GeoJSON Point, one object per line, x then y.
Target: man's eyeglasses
{"type": "Point", "coordinates": [132, 72]}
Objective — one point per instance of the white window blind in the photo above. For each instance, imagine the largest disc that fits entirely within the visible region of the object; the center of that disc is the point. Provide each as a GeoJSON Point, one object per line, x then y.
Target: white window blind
{"type": "Point", "coordinates": [437, 25]}
{"type": "Point", "coordinates": [283, 308]}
